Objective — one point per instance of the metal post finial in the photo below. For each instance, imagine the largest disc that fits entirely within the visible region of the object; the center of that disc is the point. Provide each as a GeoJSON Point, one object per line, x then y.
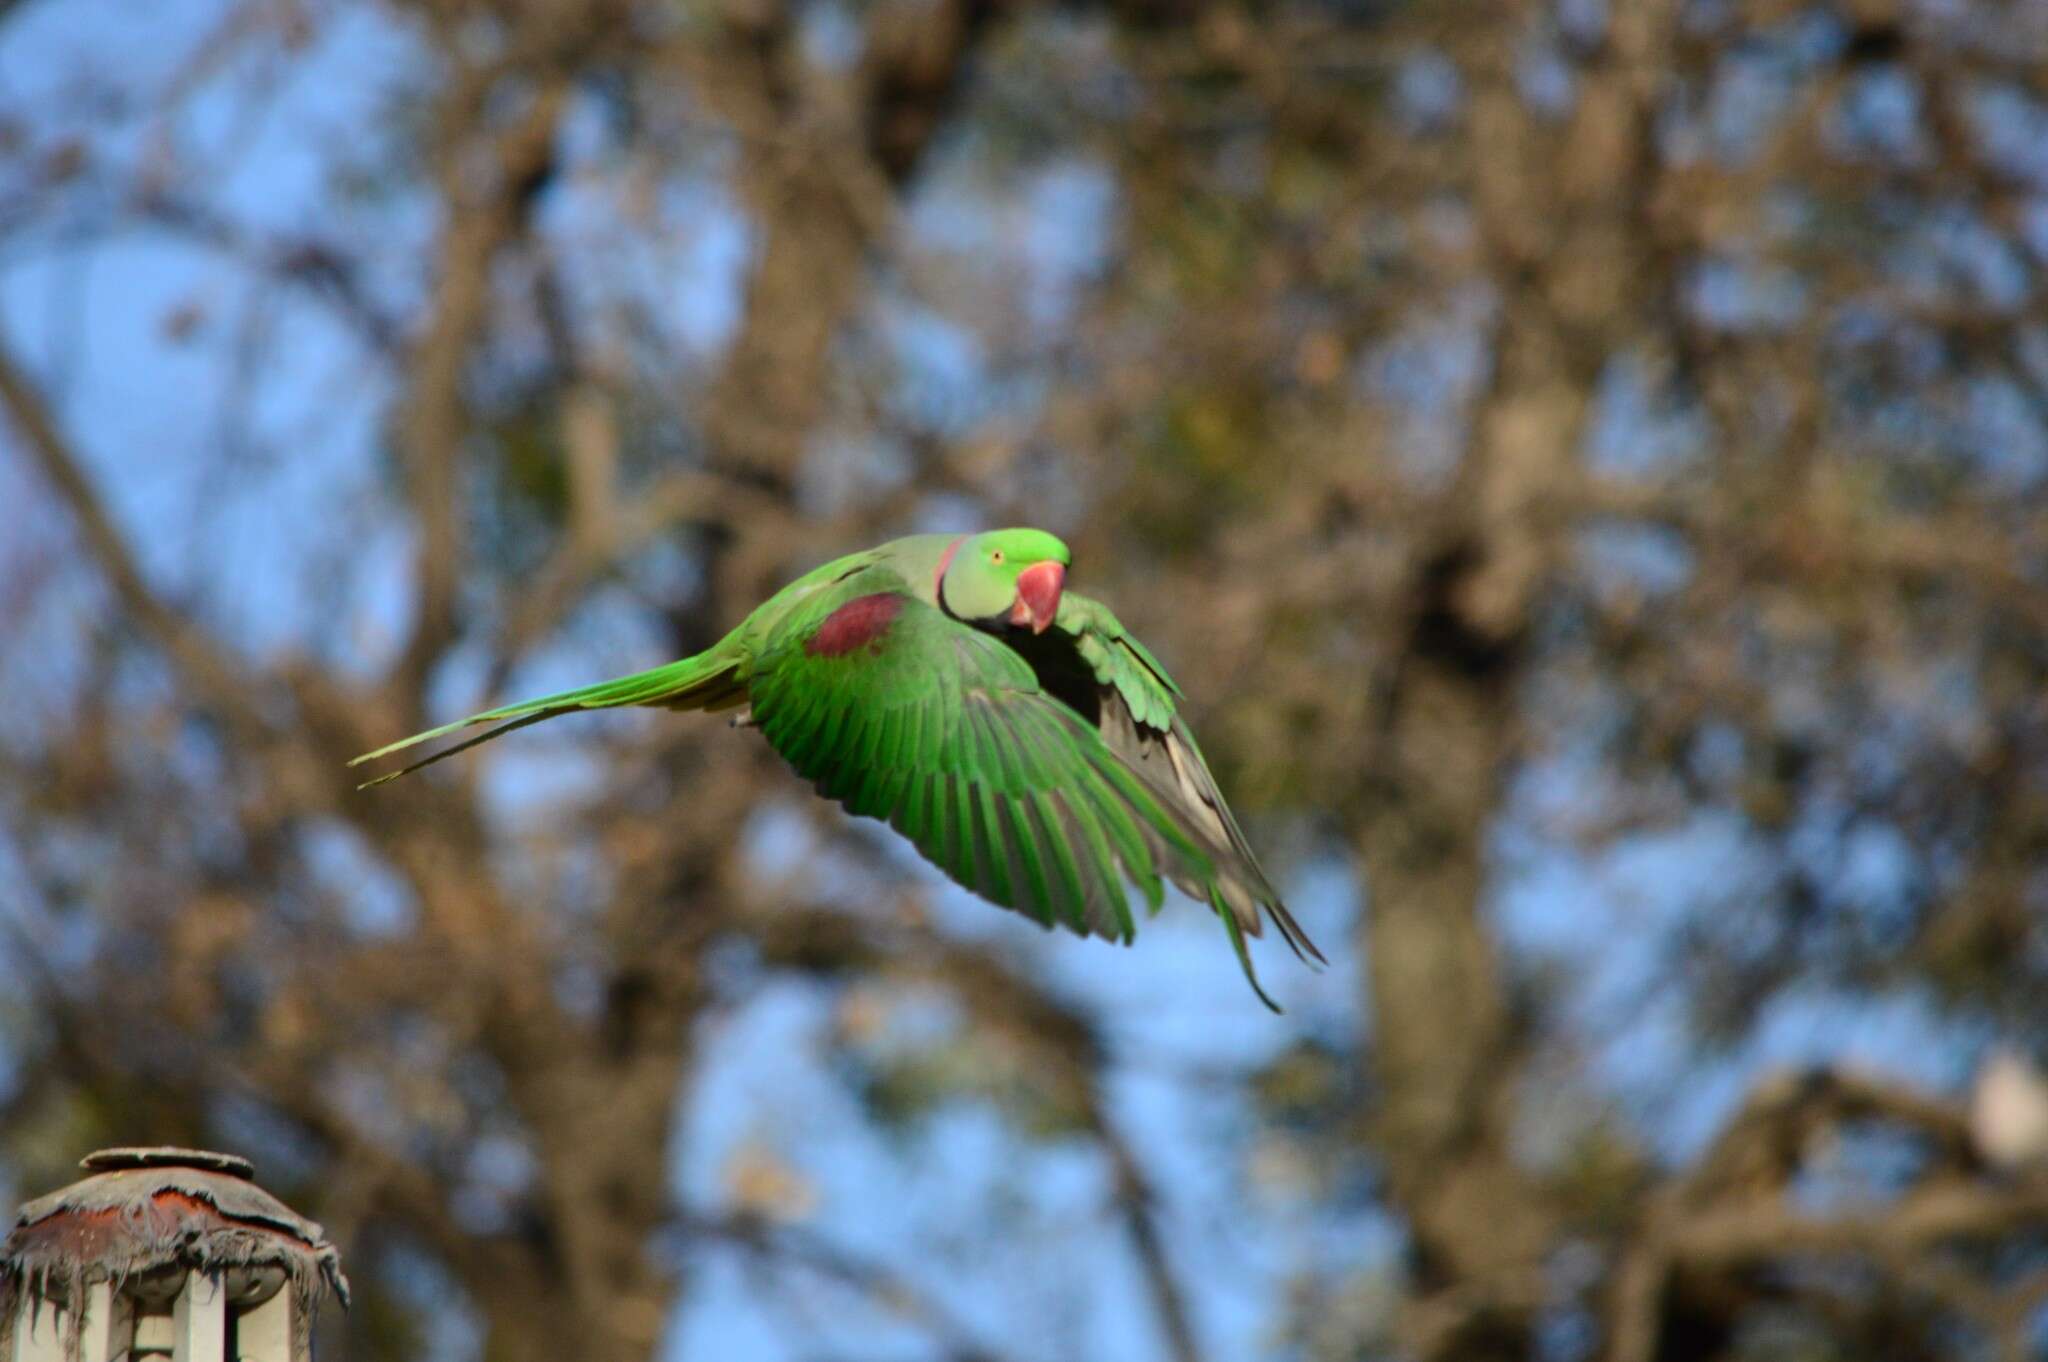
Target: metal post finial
{"type": "Point", "coordinates": [163, 1253]}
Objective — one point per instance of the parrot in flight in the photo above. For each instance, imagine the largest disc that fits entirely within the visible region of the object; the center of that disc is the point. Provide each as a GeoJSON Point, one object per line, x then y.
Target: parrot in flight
{"type": "Point", "coordinates": [1012, 730]}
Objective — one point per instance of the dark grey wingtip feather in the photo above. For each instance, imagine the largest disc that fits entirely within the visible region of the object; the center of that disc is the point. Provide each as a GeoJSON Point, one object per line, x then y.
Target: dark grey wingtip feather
{"type": "Point", "coordinates": [1297, 939]}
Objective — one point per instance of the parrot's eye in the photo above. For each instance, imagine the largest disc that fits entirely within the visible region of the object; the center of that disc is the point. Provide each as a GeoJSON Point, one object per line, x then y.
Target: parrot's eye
{"type": "Point", "coordinates": [996, 557]}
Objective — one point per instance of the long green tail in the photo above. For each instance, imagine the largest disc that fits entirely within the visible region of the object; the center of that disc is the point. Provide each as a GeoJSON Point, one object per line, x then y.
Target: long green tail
{"type": "Point", "coordinates": [707, 681]}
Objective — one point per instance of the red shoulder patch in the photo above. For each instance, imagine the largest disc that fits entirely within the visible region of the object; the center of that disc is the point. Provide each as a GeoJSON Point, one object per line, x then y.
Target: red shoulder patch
{"type": "Point", "coordinates": [861, 621]}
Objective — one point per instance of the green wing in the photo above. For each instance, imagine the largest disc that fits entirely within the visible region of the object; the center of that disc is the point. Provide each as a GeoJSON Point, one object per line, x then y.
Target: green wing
{"type": "Point", "coordinates": [943, 731]}
{"type": "Point", "coordinates": [1119, 661]}
{"type": "Point", "coordinates": [1136, 712]}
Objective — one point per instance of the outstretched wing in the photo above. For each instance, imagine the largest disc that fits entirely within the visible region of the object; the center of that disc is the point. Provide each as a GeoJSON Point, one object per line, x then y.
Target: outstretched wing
{"type": "Point", "coordinates": [1132, 702]}
{"type": "Point", "coordinates": [1118, 661]}
{"type": "Point", "coordinates": [903, 714]}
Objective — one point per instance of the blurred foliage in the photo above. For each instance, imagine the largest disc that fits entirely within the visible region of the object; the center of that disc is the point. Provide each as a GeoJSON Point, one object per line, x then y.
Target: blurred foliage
{"type": "Point", "coordinates": [1585, 461]}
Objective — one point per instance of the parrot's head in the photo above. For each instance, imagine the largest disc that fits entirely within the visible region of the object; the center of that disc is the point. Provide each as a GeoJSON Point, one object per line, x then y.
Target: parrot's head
{"type": "Point", "coordinates": [1010, 575]}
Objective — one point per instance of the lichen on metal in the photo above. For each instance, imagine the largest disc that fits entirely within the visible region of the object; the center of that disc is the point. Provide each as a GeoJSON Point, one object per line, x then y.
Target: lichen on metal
{"type": "Point", "coordinates": [146, 1218]}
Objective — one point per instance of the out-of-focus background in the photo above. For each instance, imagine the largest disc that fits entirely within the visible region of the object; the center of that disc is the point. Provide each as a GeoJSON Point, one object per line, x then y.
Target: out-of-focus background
{"type": "Point", "coordinates": [1586, 460]}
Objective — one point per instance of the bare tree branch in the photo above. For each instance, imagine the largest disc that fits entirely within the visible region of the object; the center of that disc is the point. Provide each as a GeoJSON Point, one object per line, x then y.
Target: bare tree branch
{"type": "Point", "coordinates": [211, 674]}
{"type": "Point", "coordinates": [482, 218]}
{"type": "Point", "coordinates": [888, 1289]}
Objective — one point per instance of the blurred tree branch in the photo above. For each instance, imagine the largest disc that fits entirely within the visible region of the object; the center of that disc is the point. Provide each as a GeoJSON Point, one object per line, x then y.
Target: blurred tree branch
{"type": "Point", "coordinates": [1057, 1043]}
{"type": "Point", "coordinates": [1310, 327]}
{"type": "Point", "coordinates": [482, 217]}
{"type": "Point", "coordinates": [1735, 1210]}
{"type": "Point", "coordinates": [186, 644]}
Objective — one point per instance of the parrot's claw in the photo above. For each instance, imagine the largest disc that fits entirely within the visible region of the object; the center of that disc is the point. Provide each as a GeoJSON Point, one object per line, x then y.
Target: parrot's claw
{"type": "Point", "coordinates": [743, 719]}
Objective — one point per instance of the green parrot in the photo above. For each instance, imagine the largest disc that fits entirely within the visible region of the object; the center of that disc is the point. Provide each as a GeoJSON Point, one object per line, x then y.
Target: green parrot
{"type": "Point", "coordinates": [950, 686]}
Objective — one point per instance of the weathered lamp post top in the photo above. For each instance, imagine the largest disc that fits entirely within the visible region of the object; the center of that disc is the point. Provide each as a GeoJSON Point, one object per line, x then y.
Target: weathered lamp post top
{"type": "Point", "coordinates": [170, 1254]}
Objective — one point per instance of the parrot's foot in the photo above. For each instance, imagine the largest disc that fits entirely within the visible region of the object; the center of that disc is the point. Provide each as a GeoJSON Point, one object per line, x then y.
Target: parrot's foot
{"type": "Point", "coordinates": [743, 719]}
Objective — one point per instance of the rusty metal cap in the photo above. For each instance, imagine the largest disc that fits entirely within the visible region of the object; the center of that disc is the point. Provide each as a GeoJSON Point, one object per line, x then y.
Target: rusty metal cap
{"type": "Point", "coordinates": [145, 1211]}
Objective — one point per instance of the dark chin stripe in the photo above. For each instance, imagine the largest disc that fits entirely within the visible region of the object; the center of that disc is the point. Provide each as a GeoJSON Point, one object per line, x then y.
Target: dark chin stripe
{"type": "Point", "coordinates": [939, 574]}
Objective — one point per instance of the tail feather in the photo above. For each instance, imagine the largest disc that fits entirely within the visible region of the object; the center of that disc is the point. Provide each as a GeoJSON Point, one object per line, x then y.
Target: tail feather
{"type": "Point", "coordinates": [706, 681]}
{"type": "Point", "coordinates": [448, 752]}
{"type": "Point", "coordinates": [1244, 955]}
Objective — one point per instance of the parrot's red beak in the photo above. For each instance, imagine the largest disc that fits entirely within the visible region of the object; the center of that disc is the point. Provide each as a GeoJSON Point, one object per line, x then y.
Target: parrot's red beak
{"type": "Point", "coordinates": [1038, 595]}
